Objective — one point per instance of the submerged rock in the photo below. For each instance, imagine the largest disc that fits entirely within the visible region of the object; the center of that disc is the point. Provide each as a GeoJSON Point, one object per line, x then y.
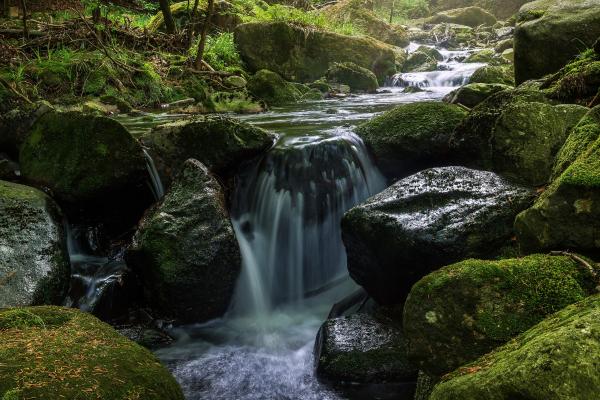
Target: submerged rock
{"type": "Point", "coordinates": [556, 359]}
{"type": "Point", "coordinates": [359, 79]}
{"type": "Point", "coordinates": [60, 353]}
{"type": "Point", "coordinates": [185, 250]}
{"type": "Point", "coordinates": [221, 143]}
{"type": "Point", "coordinates": [462, 311]}
{"type": "Point", "coordinates": [304, 55]}
{"type": "Point", "coordinates": [469, 16]}
{"type": "Point", "coordinates": [411, 137]}
{"type": "Point", "coordinates": [272, 88]}
{"type": "Point", "coordinates": [425, 221]}
{"type": "Point", "coordinates": [474, 93]}
{"type": "Point", "coordinates": [516, 134]}
{"type": "Point", "coordinates": [82, 158]}
{"type": "Point", "coordinates": [559, 23]}
{"type": "Point", "coordinates": [34, 264]}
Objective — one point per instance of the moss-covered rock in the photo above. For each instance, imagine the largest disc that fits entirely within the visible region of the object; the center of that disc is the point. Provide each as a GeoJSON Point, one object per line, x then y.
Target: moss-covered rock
{"type": "Point", "coordinates": [556, 359]}
{"type": "Point", "coordinates": [362, 349]}
{"type": "Point", "coordinates": [493, 74]}
{"type": "Point", "coordinates": [469, 16]}
{"type": "Point", "coordinates": [58, 353]}
{"type": "Point", "coordinates": [557, 22]}
{"type": "Point", "coordinates": [578, 82]}
{"type": "Point", "coordinates": [271, 88]}
{"type": "Point", "coordinates": [411, 137]}
{"type": "Point", "coordinates": [424, 59]}
{"type": "Point", "coordinates": [500, 8]}
{"type": "Point", "coordinates": [34, 264]}
{"type": "Point", "coordinates": [567, 214]}
{"type": "Point", "coordinates": [221, 143]}
{"type": "Point", "coordinates": [354, 12]}
{"type": "Point", "coordinates": [358, 78]}
{"type": "Point", "coordinates": [459, 313]}
{"type": "Point", "coordinates": [516, 134]}
{"type": "Point", "coordinates": [428, 220]}
{"type": "Point", "coordinates": [185, 250]}
{"type": "Point", "coordinates": [16, 124]}
{"type": "Point", "coordinates": [305, 54]}
{"type": "Point", "coordinates": [81, 157]}
{"type": "Point", "coordinates": [474, 93]}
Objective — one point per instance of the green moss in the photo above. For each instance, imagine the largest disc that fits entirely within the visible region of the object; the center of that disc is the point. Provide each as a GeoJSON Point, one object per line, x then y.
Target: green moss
{"type": "Point", "coordinates": [272, 88]}
{"type": "Point", "coordinates": [64, 353]}
{"type": "Point", "coordinates": [494, 74]}
{"type": "Point", "coordinates": [578, 81]}
{"type": "Point", "coordinates": [358, 78]}
{"type": "Point", "coordinates": [585, 171]}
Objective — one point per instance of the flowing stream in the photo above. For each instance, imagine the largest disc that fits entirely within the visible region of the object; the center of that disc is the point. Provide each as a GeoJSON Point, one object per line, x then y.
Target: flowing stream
{"type": "Point", "coordinates": [286, 213]}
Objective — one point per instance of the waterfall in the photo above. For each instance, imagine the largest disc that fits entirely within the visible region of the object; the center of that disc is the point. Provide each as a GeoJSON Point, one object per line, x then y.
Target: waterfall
{"type": "Point", "coordinates": [157, 186]}
{"type": "Point", "coordinates": [287, 213]}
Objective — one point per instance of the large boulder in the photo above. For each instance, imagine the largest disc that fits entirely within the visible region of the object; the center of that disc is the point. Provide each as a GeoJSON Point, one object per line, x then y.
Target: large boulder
{"type": "Point", "coordinates": [34, 264]}
{"type": "Point", "coordinates": [556, 359]}
{"type": "Point", "coordinates": [411, 137]}
{"type": "Point", "coordinates": [221, 143]}
{"type": "Point", "coordinates": [59, 353]}
{"type": "Point", "coordinates": [426, 221]}
{"type": "Point", "coordinates": [468, 16]}
{"type": "Point", "coordinates": [516, 134]}
{"type": "Point", "coordinates": [493, 74]}
{"type": "Point", "coordinates": [82, 158]}
{"type": "Point", "coordinates": [354, 12]}
{"type": "Point", "coordinates": [271, 88]}
{"type": "Point", "coordinates": [361, 348]}
{"type": "Point", "coordinates": [561, 23]}
{"type": "Point", "coordinates": [359, 79]}
{"type": "Point", "coordinates": [459, 313]}
{"type": "Point", "coordinates": [567, 214]}
{"type": "Point", "coordinates": [305, 55]}
{"type": "Point", "coordinates": [474, 93]}
{"type": "Point", "coordinates": [185, 250]}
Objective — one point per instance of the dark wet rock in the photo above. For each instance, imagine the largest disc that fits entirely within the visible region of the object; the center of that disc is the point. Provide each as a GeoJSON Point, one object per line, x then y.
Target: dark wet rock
{"type": "Point", "coordinates": [474, 93]}
{"type": "Point", "coordinates": [558, 23]}
{"type": "Point", "coordinates": [34, 264]}
{"type": "Point", "coordinates": [459, 313]}
{"type": "Point", "coordinates": [567, 214]}
{"type": "Point", "coordinates": [151, 338]}
{"type": "Point", "coordinates": [185, 251]}
{"type": "Point", "coordinates": [82, 158]}
{"type": "Point", "coordinates": [426, 221]}
{"type": "Point", "coordinates": [469, 16]}
{"type": "Point", "coordinates": [75, 353]}
{"type": "Point", "coordinates": [411, 137]}
{"type": "Point", "coordinates": [359, 79]}
{"type": "Point", "coordinates": [494, 74]}
{"type": "Point", "coordinates": [221, 143]}
{"type": "Point", "coordinates": [556, 359]}
{"type": "Point", "coordinates": [362, 349]}
{"type": "Point", "coordinates": [302, 55]}
{"type": "Point", "coordinates": [516, 134]}
{"type": "Point", "coordinates": [16, 124]}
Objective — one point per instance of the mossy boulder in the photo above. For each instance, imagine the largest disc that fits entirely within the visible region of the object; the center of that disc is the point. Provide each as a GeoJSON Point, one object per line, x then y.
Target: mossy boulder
{"type": "Point", "coordinates": [16, 124]}
{"type": "Point", "coordinates": [34, 263]}
{"type": "Point", "coordinates": [459, 313]}
{"type": "Point", "coordinates": [516, 134]}
{"type": "Point", "coordinates": [58, 353]}
{"type": "Point", "coordinates": [577, 82]}
{"type": "Point", "coordinates": [494, 74]}
{"type": "Point", "coordinates": [567, 214]}
{"type": "Point", "coordinates": [411, 137]}
{"type": "Point", "coordinates": [560, 23]}
{"type": "Point", "coordinates": [428, 220]}
{"type": "Point", "coordinates": [354, 12]}
{"type": "Point", "coordinates": [469, 16]}
{"type": "Point", "coordinates": [305, 54]}
{"type": "Point", "coordinates": [358, 78]}
{"type": "Point", "coordinates": [424, 59]}
{"type": "Point", "coordinates": [82, 158]}
{"type": "Point", "coordinates": [185, 250]}
{"type": "Point", "coordinates": [556, 359]}
{"type": "Point", "coordinates": [221, 143]}
{"type": "Point", "coordinates": [474, 93]}
{"type": "Point", "coordinates": [271, 88]}
{"type": "Point", "coordinates": [361, 348]}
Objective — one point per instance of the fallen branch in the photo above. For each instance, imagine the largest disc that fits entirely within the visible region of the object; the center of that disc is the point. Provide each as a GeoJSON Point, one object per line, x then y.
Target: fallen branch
{"type": "Point", "coordinates": [581, 262]}
{"type": "Point", "coordinates": [6, 84]}
{"type": "Point", "coordinates": [18, 33]}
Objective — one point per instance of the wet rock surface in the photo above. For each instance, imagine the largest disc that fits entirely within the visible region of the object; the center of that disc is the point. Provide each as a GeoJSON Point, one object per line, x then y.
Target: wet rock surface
{"type": "Point", "coordinates": [425, 221]}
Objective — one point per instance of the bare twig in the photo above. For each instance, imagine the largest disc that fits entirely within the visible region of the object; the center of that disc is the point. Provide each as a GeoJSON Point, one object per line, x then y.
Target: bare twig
{"type": "Point", "coordinates": [6, 84]}
{"type": "Point", "coordinates": [593, 271]}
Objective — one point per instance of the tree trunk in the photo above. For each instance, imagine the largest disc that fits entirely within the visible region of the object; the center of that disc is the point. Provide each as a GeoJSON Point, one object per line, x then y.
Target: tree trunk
{"type": "Point", "coordinates": [204, 34]}
{"type": "Point", "coordinates": [392, 11]}
{"type": "Point", "coordinates": [165, 6]}
{"type": "Point", "coordinates": [25, 28]}
{"type": "Point", "coordinates": [5, 8]}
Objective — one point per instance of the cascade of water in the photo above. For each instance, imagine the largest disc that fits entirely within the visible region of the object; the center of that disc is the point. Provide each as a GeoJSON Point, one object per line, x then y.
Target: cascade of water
{"type": "Point", "coordinates": [157, 186]}
{"type": "Point", "coordinates": [287, 214]}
